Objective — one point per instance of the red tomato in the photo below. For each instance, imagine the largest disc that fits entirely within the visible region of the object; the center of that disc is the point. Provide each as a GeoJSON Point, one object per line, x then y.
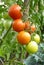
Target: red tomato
{"type": "Point", "coordinates": [15, 11]}
{"type": "Point", "coordinates": [18, 25]}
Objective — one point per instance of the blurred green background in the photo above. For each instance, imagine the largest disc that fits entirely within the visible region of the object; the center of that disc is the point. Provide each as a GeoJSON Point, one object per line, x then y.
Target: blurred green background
{"type": "Point", "coordinates": [12, 52]}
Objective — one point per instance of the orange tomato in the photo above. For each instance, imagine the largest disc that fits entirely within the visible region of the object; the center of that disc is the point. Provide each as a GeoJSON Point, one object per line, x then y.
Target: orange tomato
{"type": "Point", "coordinates": [18, 25]}
{"type": "Point", "coordinates": [15, 11]}
{"type": "Point", "coordinates": [27, 25]}
{"type": "Point", "coordinates": [33, 28]}
{"type": "Point", "coordinates": [23, 37]}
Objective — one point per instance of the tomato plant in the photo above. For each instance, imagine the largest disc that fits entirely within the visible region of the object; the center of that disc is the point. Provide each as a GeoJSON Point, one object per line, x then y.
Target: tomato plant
{"type": "Point", "coordinates": [11, 50]}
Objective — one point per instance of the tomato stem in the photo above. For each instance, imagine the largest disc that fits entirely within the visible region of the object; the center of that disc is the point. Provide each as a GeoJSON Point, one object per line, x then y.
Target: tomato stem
{"type": "Point", "coordinates": [3, 37]}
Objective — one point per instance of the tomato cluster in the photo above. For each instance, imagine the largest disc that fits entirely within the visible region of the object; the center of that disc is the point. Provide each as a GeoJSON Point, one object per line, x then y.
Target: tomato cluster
{"type": "Point", "coordinates": [24, 29]}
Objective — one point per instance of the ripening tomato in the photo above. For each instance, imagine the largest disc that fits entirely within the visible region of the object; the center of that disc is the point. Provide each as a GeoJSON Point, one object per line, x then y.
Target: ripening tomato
{"type": "Point", "coordinates": [27, 25]}
{"type": "Point", "coordinates": [23, 37]}
{"type": "Point", "coordinates": [15, 11]}
{"type": "Point", "coordinates": [33, 28]}
{"type": "Point", "coordinates": [18, 25]}
{"type": "Point", "coordinates": [32, 47]}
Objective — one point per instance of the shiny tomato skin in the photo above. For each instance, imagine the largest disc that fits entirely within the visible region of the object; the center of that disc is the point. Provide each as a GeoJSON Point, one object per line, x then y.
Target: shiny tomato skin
{"type": "Point", "coordinates": [18, 25]}
{"type": "Point", "coordinates": [23, 37]}
{"type": "Point", "coordinates": [14, 11]}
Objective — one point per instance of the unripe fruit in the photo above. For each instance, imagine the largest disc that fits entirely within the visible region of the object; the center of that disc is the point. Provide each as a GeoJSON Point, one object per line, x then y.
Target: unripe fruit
{"type": "Point", "coordinates": [37, 38]}
{"type": "Point", "coordinates": [32, 47]}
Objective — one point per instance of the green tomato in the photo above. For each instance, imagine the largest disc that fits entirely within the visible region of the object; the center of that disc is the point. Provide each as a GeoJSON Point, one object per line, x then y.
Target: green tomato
{"type": "Point", "coordinates": [37, 38]}
{"type": "Point", "coordinates": [32, 47]}
{"type": "Point", "coordinates": [6, 24]}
